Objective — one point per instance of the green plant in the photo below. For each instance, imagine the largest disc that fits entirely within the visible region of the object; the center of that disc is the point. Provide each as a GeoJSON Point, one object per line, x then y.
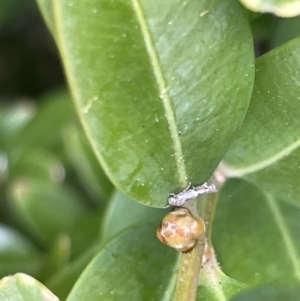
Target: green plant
{"type": "Point", "coordinates": [168, 93]}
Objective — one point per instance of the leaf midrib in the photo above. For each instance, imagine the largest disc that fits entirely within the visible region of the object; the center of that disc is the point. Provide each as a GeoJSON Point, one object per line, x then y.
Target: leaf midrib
{"type": "Point", "coordinates": [285, 234]}
{"type": "Point", "coordinates": [163, 90]}
{"type": "Point", "coordinates": [231, 171]}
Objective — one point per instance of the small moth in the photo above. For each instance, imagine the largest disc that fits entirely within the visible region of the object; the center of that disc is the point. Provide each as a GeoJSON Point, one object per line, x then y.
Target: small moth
{"type": "Point", "coordinates": [191, 193]}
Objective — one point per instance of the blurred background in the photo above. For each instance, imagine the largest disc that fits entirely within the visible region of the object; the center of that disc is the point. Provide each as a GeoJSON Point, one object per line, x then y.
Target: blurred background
{"type": "Point", "coordinates": [29, 68]}
{"type": "Point", "coordinates": [29, 63]}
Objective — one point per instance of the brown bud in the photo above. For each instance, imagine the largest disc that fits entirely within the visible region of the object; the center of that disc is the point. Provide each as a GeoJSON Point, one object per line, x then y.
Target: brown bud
{"type": "Point", "coordinates": [180, 230]}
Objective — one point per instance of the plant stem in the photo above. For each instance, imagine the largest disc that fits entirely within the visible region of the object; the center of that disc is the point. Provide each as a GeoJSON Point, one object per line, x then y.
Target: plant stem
{"type": "Point", "coordinates": [210, 203]}
{"type": "Point", "coordinates": [189, 270]}
{"type": "Point", "coordinates": [191, 262]}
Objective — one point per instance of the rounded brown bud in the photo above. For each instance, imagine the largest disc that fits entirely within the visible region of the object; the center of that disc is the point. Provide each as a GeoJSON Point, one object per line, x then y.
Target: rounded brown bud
{"type": "Point", "coordinates": [180, 230]}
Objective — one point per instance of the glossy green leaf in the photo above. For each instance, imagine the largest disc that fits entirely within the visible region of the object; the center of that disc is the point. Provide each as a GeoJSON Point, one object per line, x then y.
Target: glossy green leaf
{"type": "Point", "coordinates": [267, 151]}
{"type": "Point", "coordinates": [134, 266]}
{"type": "Point", "coordinates": [22, 287]}
{"type": "Point", "coordinates": [86, 164]}
{"type": "Point", "coordinates": [256, 237]}
{"type": "Point", "coordinates": [121, 213]}
{"type": "Point", "coordinates": [281, 8]}
{"type": "Point", "coordinates": [269, 293]}
{"type": "Point", "coordinates": [158, 106]}
{"type": "Point", "coordinates": [44, 208]}
{"type": "Point", "coordinates": [17, 254]}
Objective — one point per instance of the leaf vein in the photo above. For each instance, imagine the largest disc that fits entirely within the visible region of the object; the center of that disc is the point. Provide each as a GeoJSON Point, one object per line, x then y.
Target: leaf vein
{"type": "Point", "coordinates": [163, 90]}
{"type": "Point", "coordinates": [232, 172]}
{"type": "Point", "coordinates": [283, 229]}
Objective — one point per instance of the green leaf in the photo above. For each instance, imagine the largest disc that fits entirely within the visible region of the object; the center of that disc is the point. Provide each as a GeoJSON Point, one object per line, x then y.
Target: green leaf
{"type": "Point", "coordinates": [281, 8]}
{"type": "Point", "coordinates": [134, 266]}
{"type": "Point", "coordinates": [13, 118]}
{"type": "Point", "coordinates": [269, 293]}
{"type": "Point", "coordinates": [17, 254]}
{"type": "Point", "coordinates": [22, 287]}
{"type": "Point", "coordinates": [160, 87]}
{"type": "Point", "coordinates": [86, 164]}
{"type": "Point", "coordinates": [214, 285]}
{"type": "Point", "coordinates": [37, 186]}
{"type": "Point", "coordinates": [263, 27]}
{"type": "Point", "coordinates": [38, 164]}
{"type": "Point", "coordinates": [121, 213]}
{"type": "Point", "coordinates": [57, 258]}
{"type": "Point", "coordinates": [285, 30]}
{"type": "Point", "coordinates": [256, 237]}
{"type": "Point", "coordinates": [85, 232]}
{"type": "Point", "coordinates": [62, 282]}
{"type": "Point", "coordinates": [47, 12]}
{"type": "Point", "coordinates": [267, 151]}
{"type": "Point", "coordinates": [45, 129]}
{"type": "Point", "coordinates": [45, 209]}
